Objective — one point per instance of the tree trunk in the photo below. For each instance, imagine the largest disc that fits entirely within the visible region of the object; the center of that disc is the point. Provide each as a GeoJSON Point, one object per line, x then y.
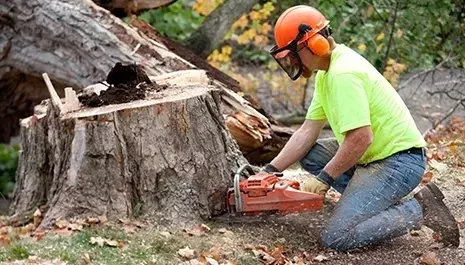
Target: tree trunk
{"type": "Point", "coordinates": [169, 158]}
{"type": "Point", "coordinates": [215, 26]}
{"type": "Point", "coordinates": [77, 43]}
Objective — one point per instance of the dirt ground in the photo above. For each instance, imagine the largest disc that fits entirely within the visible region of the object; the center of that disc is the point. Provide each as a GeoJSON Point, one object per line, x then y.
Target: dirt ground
{"type": "Point", "coordinates": [300, 233]}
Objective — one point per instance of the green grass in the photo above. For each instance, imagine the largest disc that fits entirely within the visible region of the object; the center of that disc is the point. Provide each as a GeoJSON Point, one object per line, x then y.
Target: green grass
{"type": "Point", "coordinates": [141, 248]}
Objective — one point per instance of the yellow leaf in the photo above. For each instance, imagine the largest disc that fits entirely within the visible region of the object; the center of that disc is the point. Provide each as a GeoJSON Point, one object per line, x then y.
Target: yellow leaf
{"type": "Point", "coordinates": [250, 34]}
{"type": "Point", "coordinates": [265, 28]}
{"type": "Point", "coordinates": [399, 68]}
{"type": "Point", "coordinates": [205, 7]}
{"type": "Point", "coordinates": [226, 50]}
{"type": "Point", "coordinates": [241, 22]}
{"type": "Point", "coordinates": [243, 39]}
{"type": "Point", "coordinates": [379, 47]}
{"type": "Point", "coordinates": [399, 33]}
{"type": "Point", "coordinates": [260, 40]}
{"type": "Point", "coordinates": [380, 36]}
{"type": "Point", "coordinates": [254, 15]}
{"type": "Point", "coordinates": [391, 61]}
{"type": "Point", "coordinates": [362, 47]}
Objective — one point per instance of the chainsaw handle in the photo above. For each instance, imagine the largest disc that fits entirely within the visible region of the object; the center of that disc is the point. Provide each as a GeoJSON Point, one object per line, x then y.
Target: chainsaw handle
{"type": "Point", "coordinates": [237, 191]}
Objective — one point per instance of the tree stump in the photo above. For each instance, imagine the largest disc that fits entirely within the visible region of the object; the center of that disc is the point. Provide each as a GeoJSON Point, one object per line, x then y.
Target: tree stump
{"type": "Point", "coordinates": [168, 157]}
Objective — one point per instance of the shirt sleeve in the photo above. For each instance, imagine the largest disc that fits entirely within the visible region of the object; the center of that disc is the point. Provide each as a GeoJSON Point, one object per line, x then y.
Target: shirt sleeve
{"type": "Point", "coordinates": [349, 102]}
{"type": "Point", "coordinates": [315, 111]}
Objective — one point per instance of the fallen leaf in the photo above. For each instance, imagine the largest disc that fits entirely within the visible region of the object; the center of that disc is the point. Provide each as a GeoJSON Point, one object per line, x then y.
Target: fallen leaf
{"type": "Point", "coordinates": [248, 247]}
{"type": "Point", "coordinates": [93, 220]}
{"type": "Point", "coordinates": [205, 227]}
{"type": "Point", "coordinates": [37, 217]}
{"type": "Point", "coordinates": [99, 241]}
{"type": "Point", "coordinates": [215, 252]}
{"type": "Point", "coordinates": [60, 224]}
{"type": "Point", "coordinates": [75, 227]}
{"type": "Point", "coordinates": [461, 224]}
{"type": "Point", "coordinates": [186, 253]}
{"type": "Point", "coordinates": [195, 231]}
{"type": "Point", "coordinates": [211, 261]}
{"type": "Point", "coordinates": [222, 230]}
{"type": "Point", "coordinates": [129, 229]}
{"type": "Point", "coordinates": [63, 232]}
{"type": "Point", "coordinates": [26, 230]}
{"type": "Point", "coordinates": [415, 233]}
{"type": "Point", "coordinates": [429, 258]}
{"type": "Point", "coordinates": [39, 234]}
{"type": "Point", "coordinates": [278, 255]}
{"type": "Point", "coordinates": [165, 234]}
{"type": "Point", "coordinates": [111, 243]}
{"type": "Point", "coordinates": [102, 219]}
{"type": "Point", "coordinates": [4, 240]}
{"type": "Point", "coordinates": [427, 177]}
{"type": "Point", "coordinates": [440, 167]}
{"type": "Point", "coordinates": [436, 237]}
{"type": "Point", "coordinates": [320, 258]}
{"type": "Point", "coordinates": [86, 258]}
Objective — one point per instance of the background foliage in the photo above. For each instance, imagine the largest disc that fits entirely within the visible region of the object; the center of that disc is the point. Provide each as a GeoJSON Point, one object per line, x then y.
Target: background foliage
{"type": "Point", "coordinates": [8, 164]}
{"type": "Point", "coordinates": [392, 34]}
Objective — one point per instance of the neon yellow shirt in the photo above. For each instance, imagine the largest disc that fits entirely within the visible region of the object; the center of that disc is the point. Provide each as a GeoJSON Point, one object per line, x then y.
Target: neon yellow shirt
{"type": "Point", "coordinates": [353, 94]}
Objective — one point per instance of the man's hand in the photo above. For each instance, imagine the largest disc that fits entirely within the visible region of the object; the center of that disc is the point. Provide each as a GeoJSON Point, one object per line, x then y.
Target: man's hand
{"type": "Point", "coordinates": [315, 186]}
{"type": "Point", "coordinates": [319, 184]}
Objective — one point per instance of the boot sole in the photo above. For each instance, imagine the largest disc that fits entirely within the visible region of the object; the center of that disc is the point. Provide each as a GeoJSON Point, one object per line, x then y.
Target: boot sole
{"type": "Point", "coordinates": [435, 190]}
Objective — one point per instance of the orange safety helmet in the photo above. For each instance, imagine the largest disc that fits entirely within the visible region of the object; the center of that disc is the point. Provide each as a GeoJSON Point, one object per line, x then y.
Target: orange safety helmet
{"type": "Point", "coordinates": [287, 28]}
{"type": "Point", "coordinates": [298, 27]}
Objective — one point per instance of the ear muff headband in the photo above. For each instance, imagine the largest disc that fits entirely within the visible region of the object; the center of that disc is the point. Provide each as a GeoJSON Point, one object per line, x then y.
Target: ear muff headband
{"type": "Point", "coordinates": [317, 43]}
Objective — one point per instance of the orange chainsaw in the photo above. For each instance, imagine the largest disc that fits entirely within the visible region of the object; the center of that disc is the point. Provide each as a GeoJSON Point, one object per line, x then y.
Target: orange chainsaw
{"type": "Point", "coordinates": [268, 192]}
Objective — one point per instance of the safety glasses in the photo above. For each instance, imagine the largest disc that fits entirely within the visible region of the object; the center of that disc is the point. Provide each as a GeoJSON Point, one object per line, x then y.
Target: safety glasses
{"type": "Point", "coordinates": [288, 58]}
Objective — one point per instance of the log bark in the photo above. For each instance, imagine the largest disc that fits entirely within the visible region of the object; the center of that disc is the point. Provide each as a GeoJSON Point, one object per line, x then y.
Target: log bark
{"type": "Point", "coordinates": [168, 158]}
{"type": "Point", "coordinates": [122, 8]}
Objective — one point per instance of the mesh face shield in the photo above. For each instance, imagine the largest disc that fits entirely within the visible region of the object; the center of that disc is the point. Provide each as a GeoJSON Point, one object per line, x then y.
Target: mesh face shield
{"type": "Point", "coordinates": [288, 58]}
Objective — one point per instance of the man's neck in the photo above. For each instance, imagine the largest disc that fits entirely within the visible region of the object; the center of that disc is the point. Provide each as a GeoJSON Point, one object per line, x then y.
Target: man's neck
{"type": "Point", "coordinates": [326, 59]}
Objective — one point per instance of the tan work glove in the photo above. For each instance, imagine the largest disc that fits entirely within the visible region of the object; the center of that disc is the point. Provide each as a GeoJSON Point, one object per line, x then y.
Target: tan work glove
{"type": "Point", "coordinates": [318, 184]}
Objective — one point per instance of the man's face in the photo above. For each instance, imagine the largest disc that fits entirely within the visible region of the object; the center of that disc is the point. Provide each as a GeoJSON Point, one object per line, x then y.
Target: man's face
{"type": "Point", "coordinates": [309, 60]}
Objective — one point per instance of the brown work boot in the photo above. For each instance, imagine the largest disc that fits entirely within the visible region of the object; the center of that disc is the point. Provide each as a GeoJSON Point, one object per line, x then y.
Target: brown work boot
{"type": "Point", "coordinates": [437, 216]}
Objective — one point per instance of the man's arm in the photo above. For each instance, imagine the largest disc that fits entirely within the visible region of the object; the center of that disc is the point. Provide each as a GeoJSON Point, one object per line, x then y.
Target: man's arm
{"type": "Point", "coordinates": [299, 144]}
{"type": "Point", "coordinates": [356, 142]}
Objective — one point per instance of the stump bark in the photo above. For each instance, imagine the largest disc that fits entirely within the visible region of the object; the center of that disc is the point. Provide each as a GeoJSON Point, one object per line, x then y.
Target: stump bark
{"type": "Point", "coordinates": [168, 158]}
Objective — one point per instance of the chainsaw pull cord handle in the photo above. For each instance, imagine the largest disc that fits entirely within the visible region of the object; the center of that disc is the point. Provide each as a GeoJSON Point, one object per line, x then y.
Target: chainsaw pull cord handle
{"type": "Point", "coordinates": [237, 191]}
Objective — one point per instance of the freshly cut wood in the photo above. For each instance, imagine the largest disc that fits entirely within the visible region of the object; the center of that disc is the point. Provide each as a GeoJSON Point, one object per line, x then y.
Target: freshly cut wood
{"type": "Point", "coordinates": [168, 157]}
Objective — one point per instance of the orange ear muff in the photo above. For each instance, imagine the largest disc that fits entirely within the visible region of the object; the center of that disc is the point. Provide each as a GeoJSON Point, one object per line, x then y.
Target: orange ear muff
{"type": "Point", "coordinates": [318, 44]}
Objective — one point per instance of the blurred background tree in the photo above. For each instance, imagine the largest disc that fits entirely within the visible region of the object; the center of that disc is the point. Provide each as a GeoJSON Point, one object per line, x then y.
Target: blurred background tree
{"type": "Point", "coordinates": [394, 35]}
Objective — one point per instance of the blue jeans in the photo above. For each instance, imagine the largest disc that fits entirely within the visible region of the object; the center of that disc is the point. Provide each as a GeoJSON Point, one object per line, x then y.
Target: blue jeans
{"type": "Point", "coordinates": [370, 208]}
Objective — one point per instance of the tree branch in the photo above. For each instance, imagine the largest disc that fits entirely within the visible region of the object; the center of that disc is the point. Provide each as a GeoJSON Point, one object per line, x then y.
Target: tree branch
{"type": "Point", "coordinates": [391, 35]}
